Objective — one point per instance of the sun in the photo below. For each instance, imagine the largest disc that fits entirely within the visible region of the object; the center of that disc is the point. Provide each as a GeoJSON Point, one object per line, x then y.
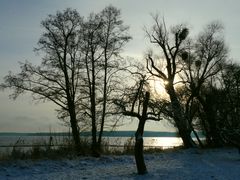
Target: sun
{"type": "Point", "coordinates": [158, 88]}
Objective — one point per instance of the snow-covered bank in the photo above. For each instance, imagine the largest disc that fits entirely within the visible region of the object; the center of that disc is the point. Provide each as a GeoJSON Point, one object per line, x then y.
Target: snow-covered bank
{"type": "Point", "coordinates": [195, 164]}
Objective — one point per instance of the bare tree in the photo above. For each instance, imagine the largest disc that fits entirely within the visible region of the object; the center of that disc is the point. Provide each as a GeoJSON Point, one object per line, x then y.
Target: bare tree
{"type": "Point", "coordinates": [170, 44]}
{"type": "Point", "coordinates": [135, 102]}
{"type": "Point", "coordinates": [115, 36]}
{"type": "Point", "coordinates": [58, 77]}
{"type": "Point", "coordinates": [90, 47]}
{"type": "Point", "coordinates": [203, 61]}
{"type": "Point", "coordinates": [105, 35]}
{"type": "Point", "coordinates": [227, 105]}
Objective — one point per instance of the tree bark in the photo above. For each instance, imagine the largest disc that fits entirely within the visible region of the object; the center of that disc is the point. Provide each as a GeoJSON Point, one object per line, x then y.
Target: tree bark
{"type": "Point", "coordinates": [138, 149]}
{"type": "Point", "coordinates": [181, 122]}
{"type": "Point", "coordinates": [75, 132]}
{"type": "Point", "coordinates": [104, 98]}
{"type": "Point", "coordinates": [95, 146]}
{"type": "Point", "coordinates": [74, 125]}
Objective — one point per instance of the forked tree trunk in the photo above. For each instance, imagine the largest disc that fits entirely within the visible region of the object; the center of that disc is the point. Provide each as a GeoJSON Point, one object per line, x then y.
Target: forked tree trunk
{"type": "Point", "coordinates": [138, 149]}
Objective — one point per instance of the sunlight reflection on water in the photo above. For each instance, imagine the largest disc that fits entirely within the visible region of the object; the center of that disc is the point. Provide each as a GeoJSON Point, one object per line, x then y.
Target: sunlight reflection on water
{"type": "Point", "coordinates": [162, 141]}
{"type": "Point", "coordinates": [149, 142]}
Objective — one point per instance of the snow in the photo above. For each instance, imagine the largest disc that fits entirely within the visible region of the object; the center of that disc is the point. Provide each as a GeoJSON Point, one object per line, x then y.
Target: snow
{"type": "Point", "coordinates": [210, 164]}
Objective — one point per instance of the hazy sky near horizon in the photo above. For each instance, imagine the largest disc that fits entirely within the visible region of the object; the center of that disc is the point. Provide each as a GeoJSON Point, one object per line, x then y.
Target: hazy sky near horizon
{"type": "Point", "coordinates": [20, 30]}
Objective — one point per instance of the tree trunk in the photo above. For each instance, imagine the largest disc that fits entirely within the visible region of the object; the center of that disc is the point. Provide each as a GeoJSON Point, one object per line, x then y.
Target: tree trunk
{"type": "Point", "coordinates": [189, 116]}
{"type": "Point", "coordinates": [95, 151]}
{"type": "Point", "coordinates": [181, 122]}
{"type": "Point", "coordinates": [196, 135]}
{"type": "Point", "coordinates": [94, 146]}
{"type": "Point", "coordinates": [71, 103]}
{"type": "Point", "coordinates": [138, 149]}
{"type": "Point", "coordinates": [74, 126]}
{"type": "Point", "coordinates": [75, 133]}
{"type": "Point", "coordinates": [104, 101]}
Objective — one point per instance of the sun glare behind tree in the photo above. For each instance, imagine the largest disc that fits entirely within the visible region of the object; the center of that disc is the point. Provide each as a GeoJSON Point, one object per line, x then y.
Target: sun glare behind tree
{"type": "Point", "coordinates": [158, 88]}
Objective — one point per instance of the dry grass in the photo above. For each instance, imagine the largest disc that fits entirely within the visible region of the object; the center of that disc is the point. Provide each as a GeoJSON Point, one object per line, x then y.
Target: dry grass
{"type": "Point", "coordinates": [64, 147]}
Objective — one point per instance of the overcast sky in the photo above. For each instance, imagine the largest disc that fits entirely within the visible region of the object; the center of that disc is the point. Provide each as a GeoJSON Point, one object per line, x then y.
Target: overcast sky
{"type": "Point", "coordinates": [20, 30]}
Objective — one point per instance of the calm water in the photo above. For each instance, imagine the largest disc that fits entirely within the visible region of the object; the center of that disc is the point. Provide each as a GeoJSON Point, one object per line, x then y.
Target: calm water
{"type": "Point", "coordinates": [116, 141]}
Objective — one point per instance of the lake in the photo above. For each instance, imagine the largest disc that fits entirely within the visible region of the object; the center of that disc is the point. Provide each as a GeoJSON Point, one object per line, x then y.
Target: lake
{"type": "Point", "coordinates": [113, 139]}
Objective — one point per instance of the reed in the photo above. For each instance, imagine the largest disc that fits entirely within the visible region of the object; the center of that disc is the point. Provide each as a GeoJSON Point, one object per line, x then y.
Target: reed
{"type": "Point", "coordinates": [56, 147]}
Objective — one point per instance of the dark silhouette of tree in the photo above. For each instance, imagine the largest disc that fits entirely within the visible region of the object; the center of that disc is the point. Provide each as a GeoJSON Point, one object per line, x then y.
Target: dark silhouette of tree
{"type": "Point", "coordinates": [209, 114]}
{"type": "Point", "coordinates": [115, 36]}
{"type": "Point", "coordinates": [104, 37]}
{"type": "Point", "coordinates": [228, 105]}
{"type": "Point", "coordinates": [192, 109]}
{"type": "Point", "coordinates": [79, 70]}
{"type": "Point", "coordinates": [202, 61]}
{"type": "Point", "coordinates": [58, 77]}
{"type": "Point", "coordinates": [170, 44]}
{"type": "Point", "coordinates": [135, 102]}
{"type": "Point", "coordinates": [138, 149]}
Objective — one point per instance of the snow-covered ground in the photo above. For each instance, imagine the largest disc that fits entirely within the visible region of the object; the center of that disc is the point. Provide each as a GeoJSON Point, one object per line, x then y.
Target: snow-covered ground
{"type": "Point", "coordinates": [212, 164]}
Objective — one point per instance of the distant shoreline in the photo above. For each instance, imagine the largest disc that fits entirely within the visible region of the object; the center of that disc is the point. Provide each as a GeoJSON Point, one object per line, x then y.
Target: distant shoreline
{"type": "Point", "coordinates": [105, 134]}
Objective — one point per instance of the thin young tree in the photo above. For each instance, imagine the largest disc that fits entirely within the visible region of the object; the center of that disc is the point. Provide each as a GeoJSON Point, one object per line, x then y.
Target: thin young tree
{"type": "Point", "coordinates": [135, 102]}
{"type": "Point", "coordinates": [115, 36]}
{"type": "Point", "coordinates": [105, 36]}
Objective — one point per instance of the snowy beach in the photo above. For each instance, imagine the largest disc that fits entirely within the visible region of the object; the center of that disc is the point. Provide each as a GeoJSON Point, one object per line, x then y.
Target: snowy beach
{"type": "Point", "coordinates": [217, 164]}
